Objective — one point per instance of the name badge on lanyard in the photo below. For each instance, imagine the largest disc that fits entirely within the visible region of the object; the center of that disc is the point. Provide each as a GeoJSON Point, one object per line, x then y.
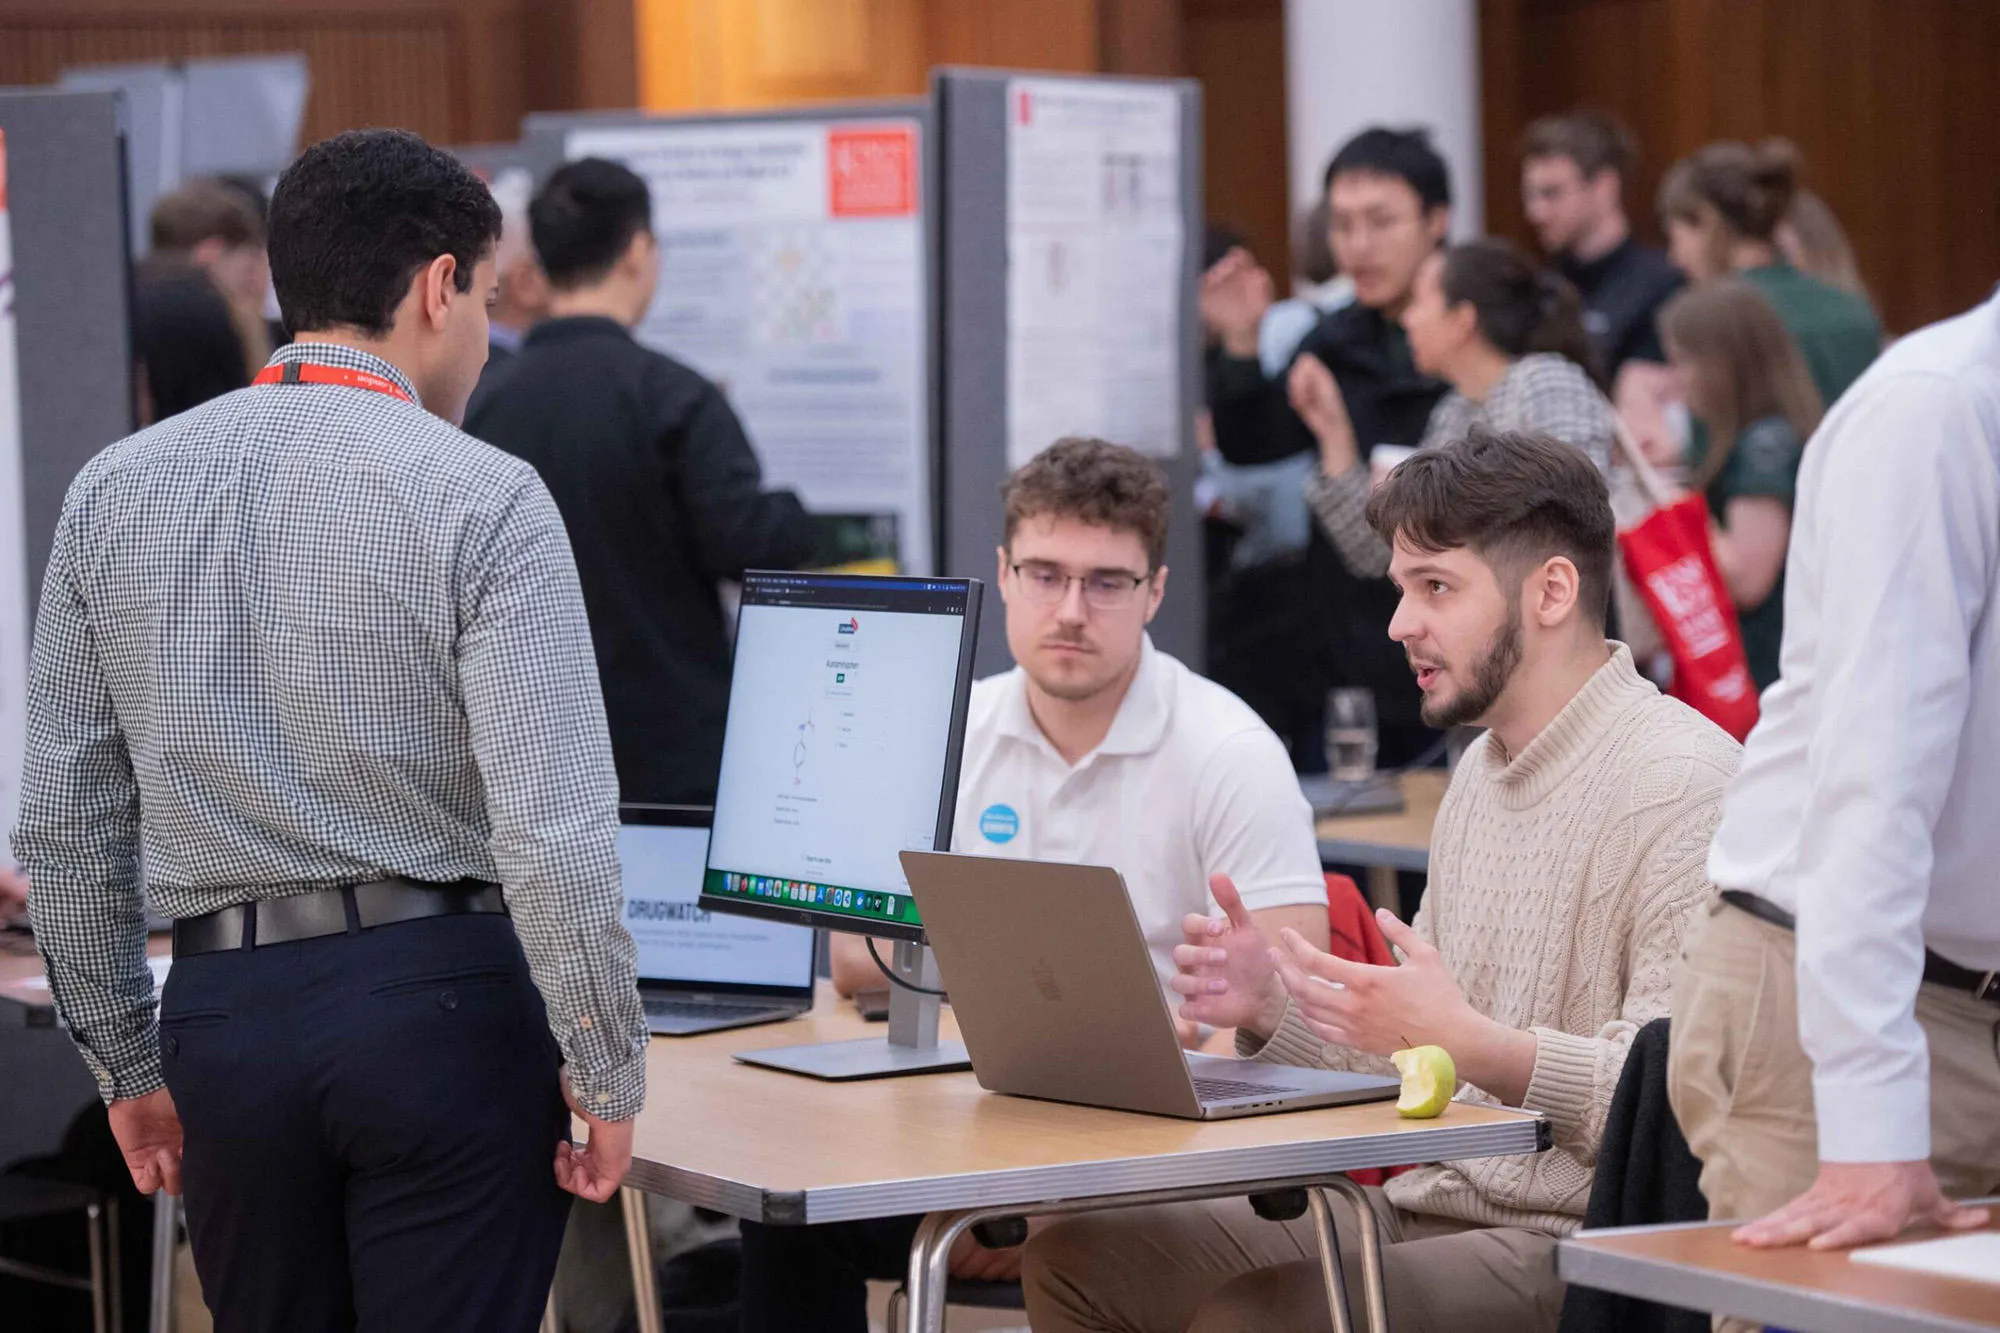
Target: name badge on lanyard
{"type": "Point", "coordinates": [306, 372]}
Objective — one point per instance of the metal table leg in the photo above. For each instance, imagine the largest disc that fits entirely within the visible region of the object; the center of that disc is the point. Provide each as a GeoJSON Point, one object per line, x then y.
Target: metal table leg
{"type": "Point", "coordinates": [166, 1239]}
{"type": "Point", "coordinates": [639, 1249]}
{"type": "Point", "coordinates": [1374, 1291]}
{"type": "Point", "coordinates": [1329, 1260]}
{"type": "Point", "coordinates": [113, 1233]}
{"type": "Point", "coordinates": [929, 1251]}
{"type": "Point", "coordinates": [931, 1248]}
{"type": "Point", "coordinates": [1383, 890]}
{"type": "Point", "coordinates": [100, 1309]}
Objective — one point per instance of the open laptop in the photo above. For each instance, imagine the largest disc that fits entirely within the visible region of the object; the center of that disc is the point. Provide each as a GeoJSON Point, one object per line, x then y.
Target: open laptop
{"type": "Point", "coordinates": [700, 972]}
{"type": "Point", "coordinates": [1056, 997]}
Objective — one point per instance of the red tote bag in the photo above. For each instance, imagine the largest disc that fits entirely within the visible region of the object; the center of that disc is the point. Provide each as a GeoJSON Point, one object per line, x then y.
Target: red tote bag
{"type": "Point", "coordinates": [1670, 563]}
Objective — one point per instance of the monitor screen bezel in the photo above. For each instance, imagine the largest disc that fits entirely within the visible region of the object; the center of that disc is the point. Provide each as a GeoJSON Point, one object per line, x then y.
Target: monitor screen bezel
{"type": "Point", "coordinates": [643, 814]}
{"type": "Point", "coordinates": [961, 699]}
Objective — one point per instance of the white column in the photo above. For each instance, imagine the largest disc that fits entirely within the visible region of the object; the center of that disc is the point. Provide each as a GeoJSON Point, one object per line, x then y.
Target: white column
{"type": "Point", "coordinates": [1350, 64]}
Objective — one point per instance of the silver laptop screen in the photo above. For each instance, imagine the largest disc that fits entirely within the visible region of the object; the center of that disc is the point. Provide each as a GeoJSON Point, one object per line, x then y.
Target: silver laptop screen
{"type": "Point", "coordinates": [678, 941]}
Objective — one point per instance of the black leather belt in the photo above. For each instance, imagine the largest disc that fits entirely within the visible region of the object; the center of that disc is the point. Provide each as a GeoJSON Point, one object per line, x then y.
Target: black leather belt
{"type": "Point", "coordinates": [1939, 971]}
{"type": "Point", "coordinates": [349, 909]}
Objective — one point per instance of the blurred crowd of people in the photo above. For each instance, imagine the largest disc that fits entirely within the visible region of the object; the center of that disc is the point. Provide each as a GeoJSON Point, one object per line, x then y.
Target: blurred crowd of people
{"type": "Point", "coordinates": [1711, 360]}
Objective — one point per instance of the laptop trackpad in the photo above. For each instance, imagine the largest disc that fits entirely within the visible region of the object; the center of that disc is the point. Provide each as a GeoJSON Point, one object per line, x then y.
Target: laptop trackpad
{"type": "Point", "coordinates": [1257, 1077]}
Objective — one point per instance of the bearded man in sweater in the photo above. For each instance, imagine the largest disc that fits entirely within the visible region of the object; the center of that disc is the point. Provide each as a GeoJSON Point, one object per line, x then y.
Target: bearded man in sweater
{"type": "Point", "coordinates": [1567, 859]}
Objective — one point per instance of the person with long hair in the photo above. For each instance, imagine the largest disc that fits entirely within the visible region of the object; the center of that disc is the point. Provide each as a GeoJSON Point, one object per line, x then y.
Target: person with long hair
{"type": "Point", "coordinates": [1508, 337]}
{"type": "Point", "coordinates": [1748, 385]}
{"type": "Point", "coordinates": [1722, 208]}
{"type": "Point", "coordinates": [1812, 241]}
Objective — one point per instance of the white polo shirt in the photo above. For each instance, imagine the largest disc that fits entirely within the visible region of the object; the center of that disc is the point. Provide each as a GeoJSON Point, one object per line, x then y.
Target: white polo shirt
{"type": "Point", "coordinates": [1188, 782]}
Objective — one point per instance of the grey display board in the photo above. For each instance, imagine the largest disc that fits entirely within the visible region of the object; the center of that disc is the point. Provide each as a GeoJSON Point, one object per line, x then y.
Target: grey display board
{"type": "Point", "coordinates": [801, 279]}
{"type": "Point", "coordinates": [153, 141]}
{"type": "Point", "coordinates": [971, 141]}
{"type": "Point", "coordinates": [218, 115]}
{"type": "Point", "coordinates": [66, 194]}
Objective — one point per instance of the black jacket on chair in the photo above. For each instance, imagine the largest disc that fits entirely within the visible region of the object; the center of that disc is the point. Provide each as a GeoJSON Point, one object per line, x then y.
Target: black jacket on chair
{"type": "Point", "coordinates": [1645, 1176]}
{"type": "Point", "coordinates": [663, 499]}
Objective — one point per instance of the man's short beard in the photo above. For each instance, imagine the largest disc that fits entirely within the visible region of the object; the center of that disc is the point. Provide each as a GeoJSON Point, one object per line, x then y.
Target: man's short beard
{"type": "Point", "coordinates": [1489, 679]}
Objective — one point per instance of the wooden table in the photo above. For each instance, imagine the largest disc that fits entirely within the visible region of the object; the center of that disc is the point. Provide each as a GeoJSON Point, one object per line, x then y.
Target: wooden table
{"type": "Point", "coordinates": [24, 984]}
{"type": "Point", "coordinates": [1385, 844]}
{"type": "Point", "coordinates": [785, 1150]}
{"type": "Point", "coordinates": [1697, 1267]}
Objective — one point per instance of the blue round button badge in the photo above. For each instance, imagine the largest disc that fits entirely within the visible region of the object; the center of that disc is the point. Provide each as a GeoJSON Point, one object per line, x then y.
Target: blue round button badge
{"type": "Point", "coordinates": [999, 823]}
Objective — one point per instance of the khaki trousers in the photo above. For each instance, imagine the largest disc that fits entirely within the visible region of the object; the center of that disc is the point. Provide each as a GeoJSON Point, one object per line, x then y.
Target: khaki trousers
{"type": "Point", "coordinates": [1741, 1085]}
{"type": "Point", "coordinates": [1219, 1268]}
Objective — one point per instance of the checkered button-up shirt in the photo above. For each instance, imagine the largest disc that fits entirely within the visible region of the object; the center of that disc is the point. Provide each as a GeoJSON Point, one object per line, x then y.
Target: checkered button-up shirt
{"type": "Point", "coordinates": [309, 635]}
{"type": "Point", "coordinates": [1542, 393]}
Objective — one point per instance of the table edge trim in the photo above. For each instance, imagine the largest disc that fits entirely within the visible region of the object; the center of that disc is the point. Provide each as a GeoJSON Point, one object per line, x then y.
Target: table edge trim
{"type": "Point", "coordinates": [1029, 1185]}
{"type": "Point", "coordinates": [1775, 1303]}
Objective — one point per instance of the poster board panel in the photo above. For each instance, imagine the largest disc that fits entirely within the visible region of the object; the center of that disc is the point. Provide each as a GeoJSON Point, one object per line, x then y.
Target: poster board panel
{"type": "Point", "coordinates": [65, 300]}
{"type": "Point", "coordinates": [1131, 370]}
{"type": "Point", "coordinates": [795, 272]}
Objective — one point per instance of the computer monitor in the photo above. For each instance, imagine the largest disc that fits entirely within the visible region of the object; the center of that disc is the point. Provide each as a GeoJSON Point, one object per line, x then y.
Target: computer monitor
{"type": "Point", "coordinates": [689, 958]}
{"type": "Point", "coordinates": [841, 748]}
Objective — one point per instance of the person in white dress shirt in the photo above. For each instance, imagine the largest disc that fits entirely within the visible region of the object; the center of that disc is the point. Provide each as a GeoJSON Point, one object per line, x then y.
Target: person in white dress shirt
{"type": "Point", "coordinates": [1834, 1059]}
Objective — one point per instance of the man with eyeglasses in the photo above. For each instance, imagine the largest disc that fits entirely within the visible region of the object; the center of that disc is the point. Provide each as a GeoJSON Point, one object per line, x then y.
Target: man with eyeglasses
{"type": "Point", "coordinates": [1099, 749]}
{"type": "Point", "coordinates": [1388, 197]}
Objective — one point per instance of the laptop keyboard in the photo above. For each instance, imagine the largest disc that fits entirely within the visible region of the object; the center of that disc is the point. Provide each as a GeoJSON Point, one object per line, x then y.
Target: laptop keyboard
{"type": "Point", "coordinates": [1229, 1089]}
{"type": "Point", "coordinates": [702, 1008]}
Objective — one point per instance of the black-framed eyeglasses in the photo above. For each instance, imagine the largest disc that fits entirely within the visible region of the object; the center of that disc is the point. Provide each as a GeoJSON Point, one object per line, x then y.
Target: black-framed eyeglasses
{"type": "Point", "coordinates": [1103, 589]}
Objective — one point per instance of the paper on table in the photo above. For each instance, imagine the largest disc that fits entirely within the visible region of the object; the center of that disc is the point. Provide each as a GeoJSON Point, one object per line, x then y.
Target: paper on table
{"type": "Point", "coordinates": [159, 966]}
{"type": "Point", "coordinates": [1974, 1256]}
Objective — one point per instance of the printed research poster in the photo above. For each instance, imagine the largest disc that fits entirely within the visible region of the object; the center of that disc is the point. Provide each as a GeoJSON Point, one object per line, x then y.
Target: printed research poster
{"type": "Point", "coordinates": [13, 539]}
{"type": "Point", "coordinates": [792, 273]}
{"type": "Point", "coordinates": [1095, 241]}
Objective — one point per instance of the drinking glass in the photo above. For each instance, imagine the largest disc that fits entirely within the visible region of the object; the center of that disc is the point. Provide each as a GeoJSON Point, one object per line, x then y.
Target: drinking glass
{"type": "Point", "coordinates": [1351, 734]}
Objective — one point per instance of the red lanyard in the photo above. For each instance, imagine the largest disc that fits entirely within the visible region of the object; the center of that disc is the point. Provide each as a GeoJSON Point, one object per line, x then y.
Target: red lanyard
{"type": "Point", "coordinates": [305, 372]}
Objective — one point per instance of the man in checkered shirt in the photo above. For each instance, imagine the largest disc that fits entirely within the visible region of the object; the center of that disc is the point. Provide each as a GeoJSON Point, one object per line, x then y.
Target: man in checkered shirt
{"type": "Point", "coordinates": [322, 661]}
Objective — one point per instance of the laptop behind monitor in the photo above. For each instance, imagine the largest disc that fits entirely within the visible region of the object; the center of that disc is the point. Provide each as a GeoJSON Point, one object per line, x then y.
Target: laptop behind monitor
{"type": "Point", "coordinates": [1056, 997]}
{"type": "Point", "coordinates": [700, 972]}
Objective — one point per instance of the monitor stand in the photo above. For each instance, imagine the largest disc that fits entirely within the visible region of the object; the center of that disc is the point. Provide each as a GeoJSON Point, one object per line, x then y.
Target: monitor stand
{"type": "Point", "coordinates": [912, 1046]}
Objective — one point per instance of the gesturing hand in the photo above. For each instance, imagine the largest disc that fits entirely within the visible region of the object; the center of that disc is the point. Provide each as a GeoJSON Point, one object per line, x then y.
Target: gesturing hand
{"type": "Point", "coordinates": [1379, 1010]}
{"type": "Point", "coordinates": [1235, 293]}
{"type": "Point", "coordinates": [148, 1130]}
{"type": "Point", "coordinates": [1315, 396]}
{"type": "Point", "coordinates": [595, 1168]}
{"type": "Point", "coordinates": [1853, 1203]}
{"type": "Point", "coordinates": [1226, 976]}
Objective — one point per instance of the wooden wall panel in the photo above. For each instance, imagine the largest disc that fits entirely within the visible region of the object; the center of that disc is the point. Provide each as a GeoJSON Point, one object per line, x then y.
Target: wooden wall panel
{"type": "Point", "coordinates": [732, 54]}
{"type": "Point", "coordinates": [702, 55]}
{"type": "Point", "coordinates": [1063, 35]}
{"type": "Point", "coordinates": [1892, 102]}
{"type": "Point", "coordinates": [1237, 49]}
{"type": "Point", "coordinates": [447, 70]}
{"type": "Point", "coordinates": [578, 55]}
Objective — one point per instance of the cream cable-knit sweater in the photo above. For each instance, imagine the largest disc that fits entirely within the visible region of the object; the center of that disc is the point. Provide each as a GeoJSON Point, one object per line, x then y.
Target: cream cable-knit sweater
{"type": "Point", "coordinates": [1560, 885]}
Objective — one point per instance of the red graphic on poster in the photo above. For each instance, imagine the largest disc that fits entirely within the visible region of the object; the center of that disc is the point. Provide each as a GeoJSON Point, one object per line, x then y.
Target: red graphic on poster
{"type": "Point", "coordinates": [872, 172]}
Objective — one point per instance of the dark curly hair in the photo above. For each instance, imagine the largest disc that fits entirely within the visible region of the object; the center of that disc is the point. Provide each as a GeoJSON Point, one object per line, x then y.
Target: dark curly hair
{"type": "Point", "coordinates": [1096, 482]}
{"type": "Point", "coordinates": [1513, 499]}
{"type": "Point", "coordinates": [355, 217]}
